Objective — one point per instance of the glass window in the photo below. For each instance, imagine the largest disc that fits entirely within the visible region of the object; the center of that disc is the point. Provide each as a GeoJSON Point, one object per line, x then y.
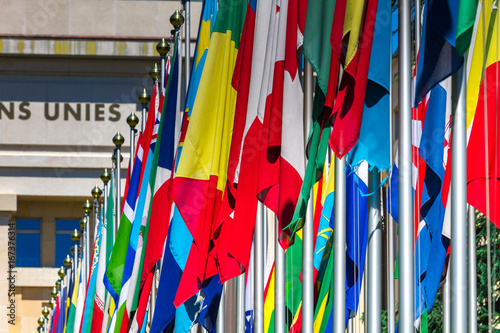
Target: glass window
{"type": "Point", "coordinates": [64, 229]}
{"type": "Point", "coordinates": [28, 249]}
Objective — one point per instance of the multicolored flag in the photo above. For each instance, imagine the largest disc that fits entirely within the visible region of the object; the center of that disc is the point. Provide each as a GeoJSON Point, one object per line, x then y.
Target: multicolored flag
{"type": "Point", "coordinates": [200, 176]}
{"type": "Point", "coordinates": [353, 25]}
{"type": "Point", "coordinates": [74, 297]}
{"type": "Point", "coordinates": [483, 169]}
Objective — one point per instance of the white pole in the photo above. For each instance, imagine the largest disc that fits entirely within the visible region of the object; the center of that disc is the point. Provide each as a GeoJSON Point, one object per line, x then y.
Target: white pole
{"type": "Point", "coordinates": [259, 271]}
{"type": "Point", "coordinates": [406, 285]}
{"type": "Point", "coordinates": [472, 297]}
{"type": "Point", "coordinates": [458, 256]}
{"type": "Point", "coordinates": [240, 303]}
{"type": "Point", "coordinates": [374, 256]}
{"type": "Point", "coordinates": [339, 234]}
{"type": "Point", "coordinates": [279, 284]}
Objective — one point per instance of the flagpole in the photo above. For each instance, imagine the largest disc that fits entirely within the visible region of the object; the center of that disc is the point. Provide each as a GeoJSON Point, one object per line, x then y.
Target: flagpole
{"type": "Point", "coordinates": [406, 302]}
{"type": "Point", "coordinates": [187, 41]}
{"type": "Point", "coordinates": [418, 26]}
{"type": "Point", "coordinates": [391, 311]}
{"type": "Point", "coordinates": [105, 177]}
{"type": "Point", "coordinates": [118, 141]}
{"type": "Point", "coordinates": [472, 296]}
{"type": "Point", "coordinates": [144, 99]}
{"type": "Point", "coordinates": [132, 121]}
{"type": "Point", "coordinates": [446, 304]}
{"type": "Point", "coordinates": [458, 256]}
{"type": "Point", "coordinates": [339, 239]}
{"type": "Point", "coordinates": [221, 318]}
{"type": "Point", "coordinates": [163, 47]}
{"type": "Point", "coordinates": [87, 208]}
{"type": "Point", "coordinates": [259, 271]}
{"type": "Point", "coordinates": [240, 303]}
{"type": "Point", "coordinates": [374, 273]}
{"type": "Point", "coordinates": [279, 283]}
{"type": "Point", "coordinates": [75, 237]}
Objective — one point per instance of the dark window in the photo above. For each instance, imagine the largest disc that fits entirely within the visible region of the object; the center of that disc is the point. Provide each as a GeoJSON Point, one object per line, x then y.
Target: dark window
{"type": "Point", "coordinates": [28, 249]}
{"type": "Point", "coordinates": [64, 229]}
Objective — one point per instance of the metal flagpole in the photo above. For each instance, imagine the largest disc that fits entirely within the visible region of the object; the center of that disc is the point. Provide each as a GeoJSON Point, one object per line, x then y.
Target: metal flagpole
{"type": "Point", "coordinates": [221, 318]}
{"type": "Point", "coordinates": [87, 208]}
{"type": "Point", "coordinates": [259, 271]}
{"type": "Point", "coordinates": [118, 140]}
{"type": "Point", "coordinates": [75, 237]}
{"type": "Point", "coordinates": [374, 276]}
{"type": "Point", "coordinates": [339, 239]}
{"type": "Point", "coordinates": [406, 302]}
{"type": "Point", "coordinates": [418, 26]}
{"type": "Point", "coordinates": [105, 177]}
{"type": "Point", "coordinates": [458, 276]}
{"type": "Point", "coordinates": [163, 47]}
{"type": "Point", "coordinates": [240, 303]}
{"type": "Point", "coordinates": [187, 41]}
{"type": "Point", "coordinates": [446, 305]}
{"type": "Point", "coordinates": [144, 99]}
{"type": "Point", "coordinates": [279, 283]}
{"type": "Point", "coordinates": [391, 311]}
{"type": "Point", "coordinates": [132, 121]}
{"type": "Point", "coordinates": [472, 290]}
{"type": "Point", "coordinates": [308, 232]}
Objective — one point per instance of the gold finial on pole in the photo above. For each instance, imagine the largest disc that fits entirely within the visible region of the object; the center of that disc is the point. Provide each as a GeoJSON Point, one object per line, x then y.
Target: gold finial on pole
{"type": "Point", "coordinates": [45, 311]}
{"type": "Point", "coordinates": [154, 73]}
{"type": "Point", "coordinates": [61, 272]}
{"type": "Point", "coordinates": [41, 321]}
{"type": "Point", "coordinates": [132, 120]}
{"type": "Point", "coordinates": [68, 261]}
{"type": "Point", "coordinates": [177, 19]}
{"type": "Point", "coordinates": [53, 292]}
{"type": "Point", "coordinates": [163, 47]}
{"type": "Point", "coordinates": [105, 176]}
{"type": "Point", "coordinates": [96, 192]}
{"type": "Point", "coordinates": [75, 236]}
{"type": "Point", "coordinates": [87, 207]}
{"type": "Point", "coordinates": [83, 223]}
{"type": "Point", "coordinates": [144, 98]}
{"type": "Point", "coordinates": [118, 140]}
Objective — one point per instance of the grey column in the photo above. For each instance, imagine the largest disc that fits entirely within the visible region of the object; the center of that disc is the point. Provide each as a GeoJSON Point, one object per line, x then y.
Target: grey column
{"type": "Point", "coordinates": [458, 256]}
{"type": "Point", "coordinates": [406, 292]}
{"type": "Point", "coordinates": [374, 256]}
{"type": "Point", "coordinates": [339, 234]}
{"type": "Point", "coordinates": [472, 296]}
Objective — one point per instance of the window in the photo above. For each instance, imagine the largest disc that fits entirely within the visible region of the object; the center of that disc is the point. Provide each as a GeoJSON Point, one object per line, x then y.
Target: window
{"type": "Point", "coordinates": [64, 229]}
{"type": "Point", "coordinates": [28, 248]}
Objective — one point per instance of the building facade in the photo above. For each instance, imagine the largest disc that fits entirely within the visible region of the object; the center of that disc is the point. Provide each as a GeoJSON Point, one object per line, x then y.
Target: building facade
{"type": "Point", "coordinates": [70, 75]}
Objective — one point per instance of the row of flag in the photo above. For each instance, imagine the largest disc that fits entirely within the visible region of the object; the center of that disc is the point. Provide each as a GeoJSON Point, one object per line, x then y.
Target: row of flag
{"type": "Point", "coordinates": [202, 168]}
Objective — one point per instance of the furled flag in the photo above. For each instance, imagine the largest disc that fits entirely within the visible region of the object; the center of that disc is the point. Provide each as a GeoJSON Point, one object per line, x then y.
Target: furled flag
{"type": "Point", "coordinates": [353, 26]}
{"type": "Point", "coordinates": [154, 227]}
{"type": "Point", "coordinates": [80, 301]}
{"type": "Point", "coordinates": [72, 307]}
{"type": "Point", "coordinates": [239, 204]}
{"type": "Point", "coordinates": [55, 316]}
{"type": "Point", "coordinates": [318, 51]}
{"type": "Point", "coordinates": [281, 160]}
{"type": "Point", "coordinates": [202, 170]}
{"type": "Point", "coordinates": [432, 193]}
{"type": "Point", "coordinates": [483, 169]}
{"type": "Point", "coordinates": [89, 298]}
{"type": "Point", "coordinates": [132, 260]}
{"type": "Point", "coordinates": [114, 271]}
{"type": "Point", "coordinates": [373, 144]}
{"type": "Point", "coordinates": [446, 35]}
{"type": "Point", "coordinates": [61, 319]}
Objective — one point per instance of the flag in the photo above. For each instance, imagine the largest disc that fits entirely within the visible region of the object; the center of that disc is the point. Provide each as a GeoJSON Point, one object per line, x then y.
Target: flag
{"type": "Point", "coordinates": [483, 170]}
{"type": "Point", "coordinates": [55, 316]}
{"type": "Point", "coordinates": [90, 296]}
{"type": "Point", "coordinates": [100, 291]}
{"type": "Point", "coordinates": [114, 271]}
{"type": "Point", "coordinates": [156, 223]}
{"type": "Point", "coordinates": [281, 160]}
{"type": "Point", "coordinates": [108, 300]}
{"type": "Point", "coordinates": [61, 318]}
{"type": "Point", "coordinates": [202, 170]}
{"type": "Point", "coordinates": [354, 21]}
{"type": "Point", "coordinates": [446, 35]}
{"type": "Point", "coordinates": [317, 50]}
{"type": "Point", "coordinates": [80, 300]}
{"type": "Point", "coordinates": [373, 144]}
{"type": "Point", "coordinates": [74, 297]}
{"type": "Point", "coordinates": [434, 149]}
